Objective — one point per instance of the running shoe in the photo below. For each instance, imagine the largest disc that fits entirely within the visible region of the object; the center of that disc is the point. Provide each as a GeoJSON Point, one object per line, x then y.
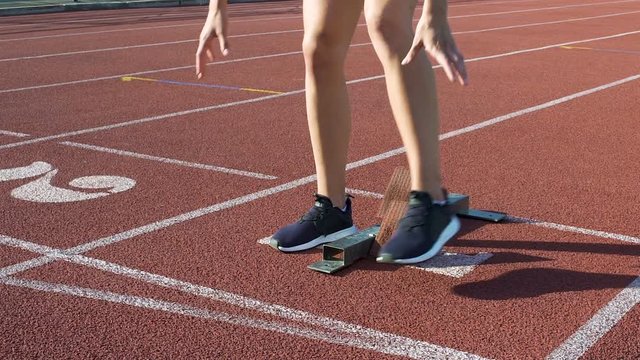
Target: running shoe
{"type": "Point", "coordinates": [422, 232]}
{"type": "Point", "coordinates": [323, 223]}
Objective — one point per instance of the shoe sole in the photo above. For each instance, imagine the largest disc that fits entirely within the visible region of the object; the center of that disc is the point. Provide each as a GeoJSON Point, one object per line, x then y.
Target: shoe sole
{"type": "Point", "coordinates": [317, 241]}
{"type": "Point", "coordinates": [447, 234]}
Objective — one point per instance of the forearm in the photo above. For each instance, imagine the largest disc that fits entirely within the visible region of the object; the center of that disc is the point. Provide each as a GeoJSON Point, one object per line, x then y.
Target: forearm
{"type": "Point", "coordinates": [434, 10]}
{"type": "Point", "coordinates": [217, 5]}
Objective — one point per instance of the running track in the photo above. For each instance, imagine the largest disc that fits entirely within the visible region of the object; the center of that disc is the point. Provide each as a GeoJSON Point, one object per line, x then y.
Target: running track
{"type": "Point", "coordinates": [168, 263]}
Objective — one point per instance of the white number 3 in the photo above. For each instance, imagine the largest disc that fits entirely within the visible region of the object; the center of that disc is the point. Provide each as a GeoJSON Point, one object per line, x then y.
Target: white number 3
{"type": "Point", "coordinates": [41, 190]}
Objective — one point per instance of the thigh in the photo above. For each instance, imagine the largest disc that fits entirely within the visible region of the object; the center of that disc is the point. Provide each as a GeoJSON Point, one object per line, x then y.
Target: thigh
{"type": "Point", "coordinates": [331, 22]}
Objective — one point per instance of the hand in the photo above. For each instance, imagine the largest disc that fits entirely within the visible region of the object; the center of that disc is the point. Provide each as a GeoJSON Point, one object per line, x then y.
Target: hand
{"type": "Point", "coordinates": [214, 27]}
{"type": "Point", "coordinates": [438, 42]}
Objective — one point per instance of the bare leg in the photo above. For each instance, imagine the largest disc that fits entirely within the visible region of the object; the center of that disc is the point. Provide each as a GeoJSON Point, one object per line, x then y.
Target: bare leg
{"type": "Point", "coordinates": [411, 89]}
{"type": "Point", "coordinates": [328, 29]}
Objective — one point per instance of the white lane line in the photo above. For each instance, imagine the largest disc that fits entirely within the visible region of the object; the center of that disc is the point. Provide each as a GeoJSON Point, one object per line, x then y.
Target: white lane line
{"type": "Point", "coordinates": [259, 99]}
{"type": "Point", "coordinates": [156, 158]}
{"type": "Point", "coordinates": [161, 224]}
{"type": "Point", "coordinates": [600, 324]}
{"type": "Point", "coordinates": [364, 193]}
{"type": "Point", "coordinates": [148, 119]}
{"type": "Point", "coordinates": [542, 9]}
{"type": "Point", "coordinates": [146, 72]}
{"type": "Point", "coordinates": [531, 109]}
{"type": "Point", "coordinates": [14, 134]}
{"type": "Point", "coordinates": [126, 47]}
{"type": "Point", "coordinates": [546, 23]}
{"type": "Point", "coordinates": [575, 229]}
{"type": "Point", "coordinates": [170, 161]}
{"type": "Point", "coordinates": [522, 220]}
{"type": "Point", "coordinates": [75, 82]}
{"type": "Point", "coordinates": [352, 334]}
{"type": "Point", "coordinates": [118, 48]}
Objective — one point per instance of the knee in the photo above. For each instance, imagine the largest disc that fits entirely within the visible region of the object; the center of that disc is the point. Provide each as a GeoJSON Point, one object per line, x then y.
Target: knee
{"type": "Point", "coordinates": [322, 52]}
{"type": "Point", "coordinates": [391, 36]}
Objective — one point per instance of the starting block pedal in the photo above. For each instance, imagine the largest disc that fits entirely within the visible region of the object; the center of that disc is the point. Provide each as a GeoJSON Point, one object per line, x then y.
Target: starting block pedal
{"type": "Point", "coordinates": [344, 252]}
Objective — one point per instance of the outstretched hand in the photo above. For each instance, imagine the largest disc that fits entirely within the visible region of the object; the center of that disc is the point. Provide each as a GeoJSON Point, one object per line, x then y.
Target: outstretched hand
{"type": "Point", "coordinates": [437, 41]}
{"type": "Point", "coordinates": [214, 27]}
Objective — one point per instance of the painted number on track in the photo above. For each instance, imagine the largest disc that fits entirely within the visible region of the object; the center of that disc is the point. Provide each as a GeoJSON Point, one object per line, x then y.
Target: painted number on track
{"type": "Point", "coordinates": [42, 191]}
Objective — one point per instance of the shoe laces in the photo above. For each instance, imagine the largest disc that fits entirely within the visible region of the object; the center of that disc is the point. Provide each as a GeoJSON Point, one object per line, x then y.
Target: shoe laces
{"type": "Point", "coordinates": [319, 209]}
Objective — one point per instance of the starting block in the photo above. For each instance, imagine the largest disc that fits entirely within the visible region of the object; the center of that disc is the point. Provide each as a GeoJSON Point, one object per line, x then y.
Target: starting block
{"type": "Point", "coordinates": [344, 252]}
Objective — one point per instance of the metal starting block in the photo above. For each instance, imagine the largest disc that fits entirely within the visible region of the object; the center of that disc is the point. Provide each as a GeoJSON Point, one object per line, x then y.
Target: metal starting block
{"type": "Point", "coordinates": [460, 203]}
{"type": "Point", "coordinates": [344, 252]}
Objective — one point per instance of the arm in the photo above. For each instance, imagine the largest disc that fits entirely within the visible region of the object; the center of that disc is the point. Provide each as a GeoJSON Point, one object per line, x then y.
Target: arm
{"type": "Point", "coordinates": [214, 27]}
{"type": "Point", "coordinates": [434, 35]}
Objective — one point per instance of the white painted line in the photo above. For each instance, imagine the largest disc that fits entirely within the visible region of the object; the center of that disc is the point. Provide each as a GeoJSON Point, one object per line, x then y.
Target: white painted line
{"type": "Point", "coordinates": [259, 99]}
{"type": "Point", "coordinates": [146, 72]}
{"type": "Point", "coordinates": [82, 81]}
{"type": "Point", "coordinates": [264, 241]}
{"type": "Point", "coordinates": [452, 264]}
{"type": "Point", "coordinates": [14, 134]}
{"type": "Point", "coordinates": [542, 9]}
{"type": "Point", "coordinates": [600, 324]}
{"type": "Point", "coordinates": [545, 23]}
{"type": "Point", "coordinates": [118, 48]}
{"type": "Point", "coordinates": [170, 161]}
{"type": "Point", "coordinates": [352, 334]}
{"type": "Point", "coordinates": [161, 224]}
{"type": "Point", "coordinates": [199, 23]}
{"type": "Point", "coordinates": [147, 119]}
{"type": "Point", "coordinates": [575, 229]}
{"type": "Point", "coordinates": [95, 50]}
{"type": "Point", "coordinates": [364, 193]}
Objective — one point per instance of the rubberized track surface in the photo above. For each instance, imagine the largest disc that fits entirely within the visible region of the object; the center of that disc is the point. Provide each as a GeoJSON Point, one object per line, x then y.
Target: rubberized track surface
{"type": "Point", "coordinates": [162, 259]}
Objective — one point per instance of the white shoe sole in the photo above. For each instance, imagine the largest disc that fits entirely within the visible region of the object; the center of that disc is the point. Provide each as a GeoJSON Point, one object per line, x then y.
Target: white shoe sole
{"type": "Point", "coordinates": [318, 241]}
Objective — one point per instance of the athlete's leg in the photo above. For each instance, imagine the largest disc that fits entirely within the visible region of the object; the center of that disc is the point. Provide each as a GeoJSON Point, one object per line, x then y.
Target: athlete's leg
{"type": "Point", "coordinates": [411, 89]}
{"type": "Point", "coordinates": [328, 29]}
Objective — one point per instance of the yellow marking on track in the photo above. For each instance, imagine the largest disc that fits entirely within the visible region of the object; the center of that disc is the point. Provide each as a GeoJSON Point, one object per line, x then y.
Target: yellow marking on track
{"type": "Point", "coordinates": [262, 91]}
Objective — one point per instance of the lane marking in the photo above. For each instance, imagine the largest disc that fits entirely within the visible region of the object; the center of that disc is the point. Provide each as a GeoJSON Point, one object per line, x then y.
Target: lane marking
{"type": "Point", "coordinates": [599, 325]}
{"type": "Point", "coordinates": [80, 52]}
{"type": "Point", "coordinates": [194, 165]}
{"type": "Point", "coordinates": [178, 219]}
{"type": "Point", "coordinates": [631, 52]}
{"type": "Point", "coordinates": [342, 330]}
{"type": "Point", "coordinates": [542, 9]}
{"type": "Point", "coordinates": [269, 97]}
{"type": "Point", "coordinates": [575, 229]}
{"type": "Point", "coordinates": [364, 193]}
{"type": "Point", "coordinates": [205, 85]}
{"type": "Point", "coordinates": [126, 47]}
{"type": "Point", "coordinates": [146, 72]}
{"type": "Point", "coordinates": [14, 134]}
{"type": "Point", "coordinates": [170, 161]}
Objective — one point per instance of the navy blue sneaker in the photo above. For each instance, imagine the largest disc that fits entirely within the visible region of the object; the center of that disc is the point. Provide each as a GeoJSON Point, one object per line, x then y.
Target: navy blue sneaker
{"type": "Point", "coordinates": [323, 223]}
{"type": "Point", "coordinates": [421, 233]}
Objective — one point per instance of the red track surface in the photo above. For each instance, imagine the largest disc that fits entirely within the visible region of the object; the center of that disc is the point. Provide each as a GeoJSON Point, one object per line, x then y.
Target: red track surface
{"type": "Point", "coordinates": [568, 167]}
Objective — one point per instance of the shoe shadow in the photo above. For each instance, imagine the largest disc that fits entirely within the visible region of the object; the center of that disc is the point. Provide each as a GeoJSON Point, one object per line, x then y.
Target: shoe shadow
{"type": "Point", "coordinates": [626, 249]}
{"type": "Point", "coordinates": [530, 283]}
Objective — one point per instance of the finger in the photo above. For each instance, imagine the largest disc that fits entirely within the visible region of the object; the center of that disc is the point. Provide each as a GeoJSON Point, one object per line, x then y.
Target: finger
{"type": "Point", "coordinates": [224, 45]}
{"type": "Point", "coordinates": [209, 54]}
{"type": "Point", "coordinates": [442, 59]}
{"type": "Point", "coordinates": [457, 62]}
{"type": "Point", "coordinates": [200, 60]}
{"type": "Point", "coordinates": [413, 52]}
